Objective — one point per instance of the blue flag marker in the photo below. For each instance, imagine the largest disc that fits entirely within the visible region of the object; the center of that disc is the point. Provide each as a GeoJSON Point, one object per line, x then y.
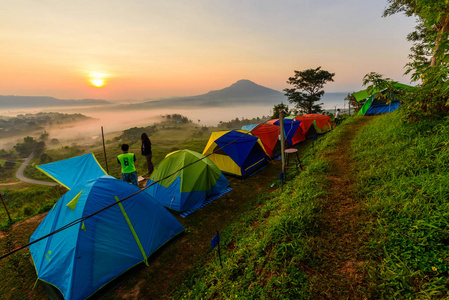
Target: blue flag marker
{"type": "Point", "coordinates": [215, 241]}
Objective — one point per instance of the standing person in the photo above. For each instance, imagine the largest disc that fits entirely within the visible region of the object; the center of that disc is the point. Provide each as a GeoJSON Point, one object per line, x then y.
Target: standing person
{"type": "Point", "coordinates": [126, 161]}
{"type": "Point", "coordinates": [337, 115]}
{"type": "Point", "coordinates": [146, 151]}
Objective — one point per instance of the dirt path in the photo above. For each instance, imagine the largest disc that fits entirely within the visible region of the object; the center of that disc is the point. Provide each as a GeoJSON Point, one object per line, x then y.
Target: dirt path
{"type": "Point", "coordinates": [340, 274]}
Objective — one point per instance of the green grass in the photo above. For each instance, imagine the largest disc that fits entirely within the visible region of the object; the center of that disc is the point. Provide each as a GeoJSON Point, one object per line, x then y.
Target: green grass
{"type": "Point", "coordinates": [27, 202]}
{"type": "Point", "coordinates": [268, 231]}
{"type": "Point", "coordinates": [404, 183]}
{"type": "Point", "coordinates": [266, 251]}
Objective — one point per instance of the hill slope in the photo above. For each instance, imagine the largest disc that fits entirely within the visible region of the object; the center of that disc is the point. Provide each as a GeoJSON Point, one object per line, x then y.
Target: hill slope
{"type": "Point", "coordinates": [37, 101]}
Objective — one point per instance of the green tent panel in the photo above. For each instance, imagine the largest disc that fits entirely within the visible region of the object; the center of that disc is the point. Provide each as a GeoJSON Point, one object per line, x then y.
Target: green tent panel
{"type": "Point", "coordinates": [365, 106]}
{"type": "Point", "coordinates": [189, 188]}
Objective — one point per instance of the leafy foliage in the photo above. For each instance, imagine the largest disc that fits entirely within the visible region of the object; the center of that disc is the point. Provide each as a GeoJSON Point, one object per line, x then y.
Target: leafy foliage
{"type": "Point", "coordinates": [238, 123]}
{"type": "Point", "coordinates": [277, 108]}
{"type": "Point", "coordinates": [308, 89]}
{"type": "Point", "coordinates": [28, 146]}
{"type": "Point", "coordinates": [429, 58]}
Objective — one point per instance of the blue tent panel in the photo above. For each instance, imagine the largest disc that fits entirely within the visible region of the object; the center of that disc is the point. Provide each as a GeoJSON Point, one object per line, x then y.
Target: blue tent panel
{"type": "Point", "coordinates": [382, 109]}
{"type": "Point", "coordinates": [237, 145]}
{"type": "Point", "coordinates": [249, 127]}
{"type": "Point", "coordinates": [73, 171]}
{"type": "Point", "coordinates": [82, 258]}
{"type": "Point", "coordinates": [290, 128]}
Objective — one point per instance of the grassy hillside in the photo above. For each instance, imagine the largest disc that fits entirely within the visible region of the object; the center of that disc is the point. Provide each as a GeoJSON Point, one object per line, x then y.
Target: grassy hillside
{"type": "Point", "coordinates": [367, 218]}
{"type": "Point", "coordinates": [403, 181]}
{"type": "Point", "coordinates": [394, 241]}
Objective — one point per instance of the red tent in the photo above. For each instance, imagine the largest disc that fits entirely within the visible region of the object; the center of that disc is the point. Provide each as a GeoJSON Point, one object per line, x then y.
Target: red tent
{"type": "Point", "coordinates": [269, 136]}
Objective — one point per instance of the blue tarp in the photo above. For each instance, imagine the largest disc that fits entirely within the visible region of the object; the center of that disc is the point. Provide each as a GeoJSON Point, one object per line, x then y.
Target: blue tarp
{"type": "Point", "coordinates": [382, 109]}
{"type": "Point", "coordinates": [73, 171]}
{"type": "Point", "coordinates": [81, 259]}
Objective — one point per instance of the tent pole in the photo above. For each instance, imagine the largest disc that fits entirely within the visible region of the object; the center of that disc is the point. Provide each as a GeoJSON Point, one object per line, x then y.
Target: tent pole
{"type": "Point", "coordinates": [104, 150]}
{"type": "Point", "coordinates": [281, 123]}
{"type": "Point", "coordinates": [4, 204]}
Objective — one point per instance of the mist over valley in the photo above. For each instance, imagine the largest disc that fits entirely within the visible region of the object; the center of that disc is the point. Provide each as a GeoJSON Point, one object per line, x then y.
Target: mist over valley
{"type": "Point", "coordinates": [243, 99]}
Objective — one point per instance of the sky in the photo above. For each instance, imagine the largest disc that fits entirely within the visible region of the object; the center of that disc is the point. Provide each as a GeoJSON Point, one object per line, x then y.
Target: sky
{"type": "Point", "coordinates": [150, 49]}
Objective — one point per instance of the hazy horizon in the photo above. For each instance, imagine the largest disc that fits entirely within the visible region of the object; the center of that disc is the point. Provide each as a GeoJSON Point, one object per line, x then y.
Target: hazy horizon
{"type": "Point", "coordinates": [158, 49]}
{"type": "Point", "coordinates": [113, 122]}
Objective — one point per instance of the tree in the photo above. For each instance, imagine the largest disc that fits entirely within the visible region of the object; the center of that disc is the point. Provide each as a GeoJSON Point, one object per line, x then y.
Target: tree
{"type": "Point", "coordinates": [352, 102]}
{"type": "Point", "coordinates": [277, 108]}
{"type": "Point", "coordinates": [28, 146]}
{"type": "Point", "coordinates": [308, 89]}
{"type": "Point", "coordinates": [430, 59]}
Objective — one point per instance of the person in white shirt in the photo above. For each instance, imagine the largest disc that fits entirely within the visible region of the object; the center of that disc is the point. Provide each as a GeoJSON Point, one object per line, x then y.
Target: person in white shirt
{"type": "Point", "coordinates": [337, 115]}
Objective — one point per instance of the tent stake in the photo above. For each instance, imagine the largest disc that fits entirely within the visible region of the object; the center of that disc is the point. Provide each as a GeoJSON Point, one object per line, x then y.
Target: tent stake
{"type": "Point", "coordinates": [104, 150]}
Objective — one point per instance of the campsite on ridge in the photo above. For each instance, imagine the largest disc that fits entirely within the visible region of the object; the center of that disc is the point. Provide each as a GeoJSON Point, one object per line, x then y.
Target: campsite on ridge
{"type": "Point", "coordinates": [210, 187]}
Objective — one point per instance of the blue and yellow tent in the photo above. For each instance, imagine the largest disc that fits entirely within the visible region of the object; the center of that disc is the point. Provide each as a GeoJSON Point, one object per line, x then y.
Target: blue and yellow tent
{"type": "Point", "coordinates": [236, 152]}
{"type": "Point", "coordinates": [188, 188]}
{"type": "Point", "coordinates": [81, 259]}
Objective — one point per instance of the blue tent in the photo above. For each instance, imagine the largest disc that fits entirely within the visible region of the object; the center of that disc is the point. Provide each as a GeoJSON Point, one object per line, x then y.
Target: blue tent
{"type": "Point", "coordinates": [189, 188]}
{"type": "Point", "coordinates": [73, 171]}
{"type": "Point", "coordinates": [250, 127]}
{"type": "Point", "coordinates": [236, 152]}
{"type": "Point", "coordinates": [81, 259]}
{"type": "Point", "coordinates": [292, 130]}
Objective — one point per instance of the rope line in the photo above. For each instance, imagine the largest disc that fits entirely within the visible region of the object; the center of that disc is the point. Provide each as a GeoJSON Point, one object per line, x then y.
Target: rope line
{"type": "Point", "coordinates": [79, 220]}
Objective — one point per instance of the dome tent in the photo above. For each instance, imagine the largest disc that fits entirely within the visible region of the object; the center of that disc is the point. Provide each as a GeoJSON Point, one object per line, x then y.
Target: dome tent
{"type": "Point", "coordinates": [292, 131]}
{"type": "Point", "coordinates": [190, 187]}
{"type": "Point", "coordinates": [236, 152]}
{"type": "Point", "coordinates": [81, 259]}
{"type": "Point", "coordinates": [321, 124]}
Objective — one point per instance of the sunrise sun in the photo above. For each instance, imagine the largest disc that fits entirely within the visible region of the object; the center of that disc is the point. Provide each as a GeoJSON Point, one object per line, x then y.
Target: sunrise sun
{"type": "Point", "coordinates": [97, 79]}
{"type": "Point", "coordinates": [97, 82]}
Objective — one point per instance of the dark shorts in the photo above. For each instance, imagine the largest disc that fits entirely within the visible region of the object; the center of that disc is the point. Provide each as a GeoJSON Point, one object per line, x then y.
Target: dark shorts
{"type": "Point", "coordinates": [130, 177]}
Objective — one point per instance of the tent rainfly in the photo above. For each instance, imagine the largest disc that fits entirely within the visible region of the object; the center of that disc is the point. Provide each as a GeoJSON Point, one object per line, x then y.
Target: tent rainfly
{"type": "Point", "coordinates": [312, 124]}
{"type": "Point", "coordinates": [236, 152]}
{"type": "Point", "coordinates": [268, 135]}
{"type": "Point", "coordinates": [81, 259]}
{"type": "Point", "coordinates": [189, 188]}
{"type": "Point", "coordinates": [378, 102]}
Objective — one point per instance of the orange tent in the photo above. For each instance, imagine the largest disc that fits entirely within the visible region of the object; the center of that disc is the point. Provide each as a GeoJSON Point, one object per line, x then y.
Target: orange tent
{"type": "Point", "coordinates": [321, 124]}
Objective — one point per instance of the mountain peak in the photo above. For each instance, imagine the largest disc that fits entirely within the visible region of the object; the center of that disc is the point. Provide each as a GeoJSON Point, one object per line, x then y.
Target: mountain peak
{"type": "Point", "coordinates": [244, 88]}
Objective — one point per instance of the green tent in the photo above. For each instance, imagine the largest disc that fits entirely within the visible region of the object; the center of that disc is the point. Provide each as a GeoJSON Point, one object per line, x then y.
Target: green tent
{"type": "Point", "coordinates": [189, 188]}
{"type": "Point", "coordinates": [377, 105]}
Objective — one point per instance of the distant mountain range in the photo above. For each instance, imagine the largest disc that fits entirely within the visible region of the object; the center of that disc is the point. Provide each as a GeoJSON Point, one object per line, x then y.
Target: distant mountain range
{"type": "Point", "coordinates": [34, 101]}
{"type": "Point", "coordinates": [243, 92]}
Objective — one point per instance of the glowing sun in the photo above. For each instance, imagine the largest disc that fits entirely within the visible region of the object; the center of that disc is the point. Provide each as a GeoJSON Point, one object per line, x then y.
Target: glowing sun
{"type": "Point", "coordinates": [97, 79]}
{"type": "Point", "coordinates": [98, 82]}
